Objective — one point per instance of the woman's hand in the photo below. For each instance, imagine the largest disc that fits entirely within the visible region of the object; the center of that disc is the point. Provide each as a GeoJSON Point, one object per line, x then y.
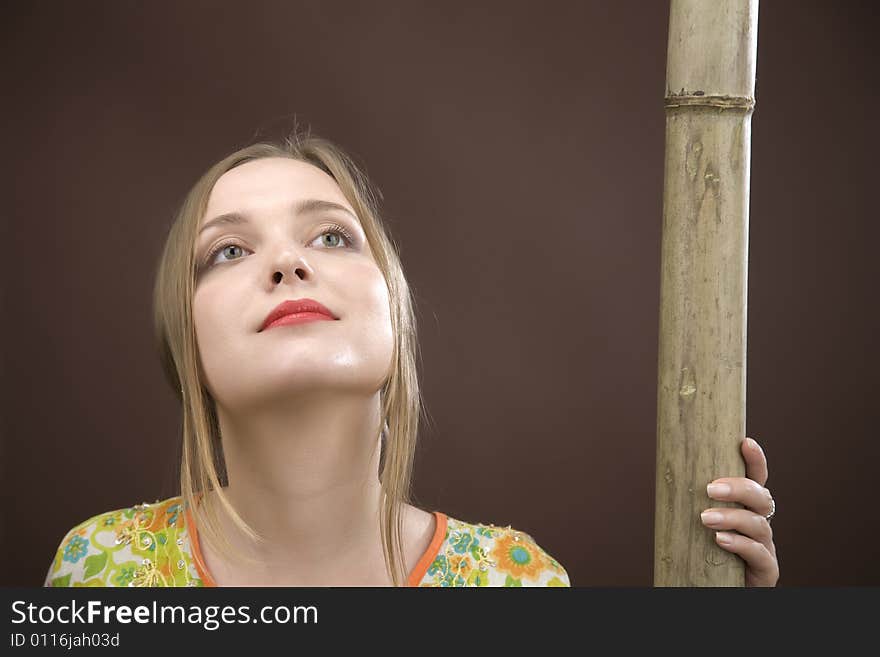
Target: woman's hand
{"type": "Point", "coordinates": [754, 542]}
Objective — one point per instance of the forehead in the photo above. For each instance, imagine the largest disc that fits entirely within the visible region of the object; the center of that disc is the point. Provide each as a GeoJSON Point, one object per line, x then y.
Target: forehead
{"type": "Point", "coordinates": [268, 183]}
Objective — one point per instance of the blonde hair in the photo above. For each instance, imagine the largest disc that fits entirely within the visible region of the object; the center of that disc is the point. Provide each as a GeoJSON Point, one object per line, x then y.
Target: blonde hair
{"type": "Point", "coordinates": [201, 458]}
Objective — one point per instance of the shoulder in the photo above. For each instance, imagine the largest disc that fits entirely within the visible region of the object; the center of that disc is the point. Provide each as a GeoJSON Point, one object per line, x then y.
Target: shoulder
{"type": "Point", "coordinates": [132, 546]}
{"type": "Point", "coordinates": [478, 554]}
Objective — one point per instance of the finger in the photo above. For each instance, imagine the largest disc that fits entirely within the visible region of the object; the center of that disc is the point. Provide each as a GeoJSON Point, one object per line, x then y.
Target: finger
{"type": "Point", "coordinates": [744, 521]}
{"type": "Point", "coordinates": [747, 492]}
{"type": "Point", "coordinates": [756, 461]}
{"type": "Point", "coordinates": [763, 566]}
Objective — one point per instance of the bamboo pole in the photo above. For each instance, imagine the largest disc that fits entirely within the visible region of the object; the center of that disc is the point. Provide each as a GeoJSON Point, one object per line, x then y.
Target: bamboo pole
{"type": "Point", "coordinates": [701, 391]}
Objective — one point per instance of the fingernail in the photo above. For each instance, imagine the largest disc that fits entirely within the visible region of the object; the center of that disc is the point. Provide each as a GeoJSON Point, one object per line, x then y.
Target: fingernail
{"type": "Point", "coordinates": [725, 539]}
{"type": "Point", "coordinates": [752, 444]}
{"type": "Point", "coordinates": [711, 517]}
{"type": "Point", "coordinates": [718, 489]}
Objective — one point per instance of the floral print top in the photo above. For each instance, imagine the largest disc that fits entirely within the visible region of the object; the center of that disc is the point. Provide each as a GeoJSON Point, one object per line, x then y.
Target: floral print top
{"type": "Point", "coordinates": [157, 545]}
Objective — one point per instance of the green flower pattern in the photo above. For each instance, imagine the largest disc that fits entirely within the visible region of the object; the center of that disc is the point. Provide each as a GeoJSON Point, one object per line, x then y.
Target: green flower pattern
{"type": "Point", "coordinates": [143, 545]}
{"type": "Point", "coordinates": [467, 557]}
{"type": "Point", "coordinates": [149, 545]}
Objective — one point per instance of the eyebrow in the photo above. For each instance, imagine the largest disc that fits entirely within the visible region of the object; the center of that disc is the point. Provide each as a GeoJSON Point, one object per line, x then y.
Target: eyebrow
{"type": "Point", "coordinates": [304, 206]}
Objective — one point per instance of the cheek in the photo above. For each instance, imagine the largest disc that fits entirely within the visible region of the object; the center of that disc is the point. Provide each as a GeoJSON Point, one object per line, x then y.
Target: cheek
{"type": "Point", "coordinates": [214, 322]}
{"type": "Point", "coordinates": [375, 304]}
{"type": "Point", "coordinates": [379, 299]}
{"type": "Point", "coordinates": [202, 312]}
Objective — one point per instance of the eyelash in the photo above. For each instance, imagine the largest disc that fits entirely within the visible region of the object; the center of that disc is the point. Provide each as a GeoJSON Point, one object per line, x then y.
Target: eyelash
{"type": "Point", "coordinates": [333, 228]}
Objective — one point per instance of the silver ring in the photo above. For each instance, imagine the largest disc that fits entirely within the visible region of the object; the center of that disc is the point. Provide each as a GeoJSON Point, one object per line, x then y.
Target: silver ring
{"type": "Point", "coordinates": [772, 510]}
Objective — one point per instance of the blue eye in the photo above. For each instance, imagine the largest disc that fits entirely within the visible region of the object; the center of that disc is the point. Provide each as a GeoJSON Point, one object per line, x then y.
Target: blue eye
{"type": "Point", "coordinates": [209, 259]}
{"type": "Point", "coordinates": [335, 229]}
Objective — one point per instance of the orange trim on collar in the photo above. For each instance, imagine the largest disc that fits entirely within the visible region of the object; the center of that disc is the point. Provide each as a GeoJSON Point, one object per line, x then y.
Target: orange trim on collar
{"type": "Point", "coordinates": [413, 580]}
{"type": "Point", "coordinates": [201, 567]}
{"type": "Point", "coordinates": [428, 557]}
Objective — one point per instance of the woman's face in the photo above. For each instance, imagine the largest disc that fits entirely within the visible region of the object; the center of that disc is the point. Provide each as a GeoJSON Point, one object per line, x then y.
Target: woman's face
{"type": "Point", "coordinates": [238, 285]}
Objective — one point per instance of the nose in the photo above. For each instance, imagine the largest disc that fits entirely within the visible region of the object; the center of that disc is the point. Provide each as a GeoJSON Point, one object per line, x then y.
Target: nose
{"type": "Point", "coordinates": [278, 276]}
{"type": "Point", "coordinates": [292, 265]}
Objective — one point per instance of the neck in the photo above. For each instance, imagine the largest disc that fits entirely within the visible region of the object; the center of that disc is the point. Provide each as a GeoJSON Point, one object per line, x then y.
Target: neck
{"type": "Point", "coordinates": [305, 476]}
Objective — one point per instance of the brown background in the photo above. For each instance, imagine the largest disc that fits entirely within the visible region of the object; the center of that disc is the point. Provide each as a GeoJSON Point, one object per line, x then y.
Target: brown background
{"type": "Point", "coordinates": [519, 148]}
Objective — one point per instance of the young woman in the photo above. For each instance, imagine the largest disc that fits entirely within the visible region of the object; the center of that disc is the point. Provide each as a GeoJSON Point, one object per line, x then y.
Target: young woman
{"type": "Point", "coordinates": [285, 322]}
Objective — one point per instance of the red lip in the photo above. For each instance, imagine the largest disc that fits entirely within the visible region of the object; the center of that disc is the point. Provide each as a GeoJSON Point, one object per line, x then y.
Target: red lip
{"type": "Point", "coordinates": [293, 307]}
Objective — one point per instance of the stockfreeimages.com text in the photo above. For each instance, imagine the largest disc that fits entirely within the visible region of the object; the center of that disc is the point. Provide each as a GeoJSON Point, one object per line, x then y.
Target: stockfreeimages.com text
{"type": "Point", "coordinates": [211, 616]}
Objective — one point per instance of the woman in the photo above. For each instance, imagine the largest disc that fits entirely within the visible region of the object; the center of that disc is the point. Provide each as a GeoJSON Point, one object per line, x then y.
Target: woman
{"type": "Point", "coordinates": [284, 320]}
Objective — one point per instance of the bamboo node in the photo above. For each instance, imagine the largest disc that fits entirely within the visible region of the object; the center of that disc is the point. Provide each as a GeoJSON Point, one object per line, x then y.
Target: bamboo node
{"type": "Point", "coordinates": [699, 99]}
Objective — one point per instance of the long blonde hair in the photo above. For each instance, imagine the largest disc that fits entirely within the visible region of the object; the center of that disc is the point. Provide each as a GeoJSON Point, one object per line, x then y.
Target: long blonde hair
{"type": "Point", "coordinates": [202, 463]}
